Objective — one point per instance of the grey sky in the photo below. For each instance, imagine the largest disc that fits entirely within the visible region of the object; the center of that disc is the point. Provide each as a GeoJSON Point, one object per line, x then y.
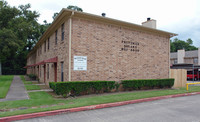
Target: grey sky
{"type": "Point", "coordinates": [177, 16]}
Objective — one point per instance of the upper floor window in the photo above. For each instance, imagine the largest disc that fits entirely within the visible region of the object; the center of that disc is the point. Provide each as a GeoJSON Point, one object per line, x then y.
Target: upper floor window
{"type": "Point", "coordinates": [45, 46]}
{"type": "Point", "coordinates": [40, 49]}
{"type": "Point", "coordinates": [195, 60]}
{"type": "Point", "coordinates": [56, 37]}
{"type": "Point", "coordinates": [62, 31]}
{"type": "Point", "coordinates": [48, 44]}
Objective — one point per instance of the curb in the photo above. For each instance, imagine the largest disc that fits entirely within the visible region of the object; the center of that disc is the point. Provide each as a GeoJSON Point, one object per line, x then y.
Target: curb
{"type": "Point", "coordinates": [92, 107]}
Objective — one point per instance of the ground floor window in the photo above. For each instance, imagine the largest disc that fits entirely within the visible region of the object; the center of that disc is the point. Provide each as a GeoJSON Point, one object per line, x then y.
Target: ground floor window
{"type": "Point", "coordinates": [38, 71]}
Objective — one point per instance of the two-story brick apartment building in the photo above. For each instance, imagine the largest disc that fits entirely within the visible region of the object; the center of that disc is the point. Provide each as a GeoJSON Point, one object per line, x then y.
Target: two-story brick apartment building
{"type": "Point", "coordinates": [83, 47]}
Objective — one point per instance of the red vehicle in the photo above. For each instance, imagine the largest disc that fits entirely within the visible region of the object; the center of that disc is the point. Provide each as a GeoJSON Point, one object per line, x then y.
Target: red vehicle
{"type": "Point", "coordinates": [190, 75]}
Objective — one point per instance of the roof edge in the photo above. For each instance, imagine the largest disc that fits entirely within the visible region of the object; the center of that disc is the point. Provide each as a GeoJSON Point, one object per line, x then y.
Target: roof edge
{"type": "Point", "coordinates": [68, 12]}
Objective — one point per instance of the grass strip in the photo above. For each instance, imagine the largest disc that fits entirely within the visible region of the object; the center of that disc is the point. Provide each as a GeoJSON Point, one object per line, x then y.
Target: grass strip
{"type": "Point", "coordinates": [38, 99]}
{"type": "Point", "coordinates": [24, 81]}
{"type": "Point", "coordinates": [32, 87]}
{"type": "Point", "coordinates": [5, 82]}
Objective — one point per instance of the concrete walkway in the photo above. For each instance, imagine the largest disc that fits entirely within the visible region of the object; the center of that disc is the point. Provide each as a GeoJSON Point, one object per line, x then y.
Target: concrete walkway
{"type": "Point", "coordinates": [17, 90]}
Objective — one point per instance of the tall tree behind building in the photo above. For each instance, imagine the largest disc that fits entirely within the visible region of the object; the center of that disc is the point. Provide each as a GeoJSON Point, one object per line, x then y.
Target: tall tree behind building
{"type": "Point", "coordinates": [177, 44]}
{"type": "Point", "coordinates": [75, 8]}
{"type": "Point", "coordinates": [19, 31]}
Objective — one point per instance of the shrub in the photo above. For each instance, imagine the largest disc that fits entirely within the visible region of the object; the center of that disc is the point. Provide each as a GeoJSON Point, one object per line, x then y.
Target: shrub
{"type": "Point", "coordinates": [52, 85]}
{"type": "Point", "coordinates": [82, 87]}
{"type": "Point", "coordinates": [117, 85]}
{"type": "Point", "coordinates": [32, 76]}
{"type": "Point", "coordinates": [147, 83]}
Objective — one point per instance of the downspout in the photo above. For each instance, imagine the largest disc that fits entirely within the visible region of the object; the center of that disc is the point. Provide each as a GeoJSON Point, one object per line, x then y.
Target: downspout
{"type": "Point", "coordinates": [70, 39]}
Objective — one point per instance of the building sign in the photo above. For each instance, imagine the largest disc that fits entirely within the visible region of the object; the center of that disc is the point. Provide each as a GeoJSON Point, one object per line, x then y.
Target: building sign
{"type": "Point", "coordinates": [130, 46]}
{"type": "Point", "coordinates": [80, 62]}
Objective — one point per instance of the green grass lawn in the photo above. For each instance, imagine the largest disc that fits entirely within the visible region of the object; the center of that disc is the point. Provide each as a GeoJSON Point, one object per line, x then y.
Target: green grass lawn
{"type": "Point", "coordinates": [5, 82]}
{"type": "Point", "coordinates": [24, 81]}
{"type": "Point", "coordinates": [29, 85]}
{"type": "Point", "coordinates": [32, 87]}
{"type": "Point", "coordinates": [42, 101]}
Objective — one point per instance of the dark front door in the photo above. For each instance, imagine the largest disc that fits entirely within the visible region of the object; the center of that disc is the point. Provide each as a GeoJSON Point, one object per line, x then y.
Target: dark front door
{"type": "Point", "coordinates": [55, 72]}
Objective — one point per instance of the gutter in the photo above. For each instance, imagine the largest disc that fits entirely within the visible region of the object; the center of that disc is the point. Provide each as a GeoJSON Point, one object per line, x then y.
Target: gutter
{"type": "Point", "coordinates": [70, 40]}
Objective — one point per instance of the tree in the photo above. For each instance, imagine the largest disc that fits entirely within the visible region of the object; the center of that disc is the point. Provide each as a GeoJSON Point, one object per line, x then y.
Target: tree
{"type": "Point", "coordinates": [177, 44]}
{"type": "Point", "coordinates": [55, 15]}
{"type": "Point", "coordinates": [189, 41]}
{"type": "Point", "coordinates": [8, 45]}
{"type": "Point", "coordinates": [8, 39]}
{"type": "Point", "coordinates": [19, 31]}
{"type": "Point", "coordinates": [75, 8]}
{"type": "Point", "coordinates": [7, 13]}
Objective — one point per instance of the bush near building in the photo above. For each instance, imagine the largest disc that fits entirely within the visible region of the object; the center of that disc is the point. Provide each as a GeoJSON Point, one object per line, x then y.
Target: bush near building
{"type": "Point", "coordinates": [32, 76]}
{"type": "Point", "coordinates": [76, 88]}
{"type": "Point", "coordinates": [82, 87]}
{"type": "Point", "coordinates": [147, 84]}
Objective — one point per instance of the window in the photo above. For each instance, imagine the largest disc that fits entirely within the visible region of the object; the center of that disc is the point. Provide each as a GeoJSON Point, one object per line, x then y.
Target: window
{"type": "Point", "coordinates": [175, 61]}
{"type": "Point", "coordinates": [40, 49]}
{"type": "Point", "coordinates": [56, 37]}
{"type": "Point", "coordinates": [47, 71]}
{"type": "Point", "coordinates": [195, 60]}
{"type": "Point", "coordinates": [45, 46]}
{"type": "Point", "coordinates": [62, 74]}
{"type": "Point", "coordinates": [48, 44]}
{"type": "Point", "coordinates": [62, 31]}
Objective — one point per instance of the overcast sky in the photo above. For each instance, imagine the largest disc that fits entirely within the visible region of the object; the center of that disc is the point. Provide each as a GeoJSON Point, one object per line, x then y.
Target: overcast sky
{"type": "Point", "coordinates": [177, 16]}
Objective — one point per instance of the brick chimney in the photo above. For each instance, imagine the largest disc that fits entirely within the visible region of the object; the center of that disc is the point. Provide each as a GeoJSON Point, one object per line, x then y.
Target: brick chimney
{"type": "Point", "coordinates": [149, 23]}
{"type": "Point", "coordinates": [181, 55]}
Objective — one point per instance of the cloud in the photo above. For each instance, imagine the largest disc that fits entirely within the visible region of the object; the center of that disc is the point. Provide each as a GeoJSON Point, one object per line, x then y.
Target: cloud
{"type": "Point", "coordinates": [177, 16]}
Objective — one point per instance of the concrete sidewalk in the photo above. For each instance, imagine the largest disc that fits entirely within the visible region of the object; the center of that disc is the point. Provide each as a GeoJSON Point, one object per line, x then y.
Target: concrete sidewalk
{"type": "Point", "coordinates": [17, 90]}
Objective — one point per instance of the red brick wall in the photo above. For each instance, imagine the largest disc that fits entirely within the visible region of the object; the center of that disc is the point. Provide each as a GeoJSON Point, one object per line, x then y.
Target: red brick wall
{"type": "Point", "coordinates": [102, 44]}
{"type": "Point", "coordinates": [60, 50]}
{"type": "Point", "coordinates": [108, 57]}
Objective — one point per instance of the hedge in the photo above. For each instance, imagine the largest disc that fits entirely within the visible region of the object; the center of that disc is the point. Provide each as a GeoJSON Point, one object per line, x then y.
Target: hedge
{"type": "Point", "coordinates": [147, 83]}
{"type": "Point", "coordinates": [81, 87]}
{"type": "Point", "coordinates": [32, 76]}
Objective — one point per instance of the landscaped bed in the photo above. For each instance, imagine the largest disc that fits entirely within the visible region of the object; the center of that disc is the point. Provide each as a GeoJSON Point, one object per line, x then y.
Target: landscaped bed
{"type": "Point", "coordinates": [42, 101]}
{"type": "Point", "coordinates": [5, 82]}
